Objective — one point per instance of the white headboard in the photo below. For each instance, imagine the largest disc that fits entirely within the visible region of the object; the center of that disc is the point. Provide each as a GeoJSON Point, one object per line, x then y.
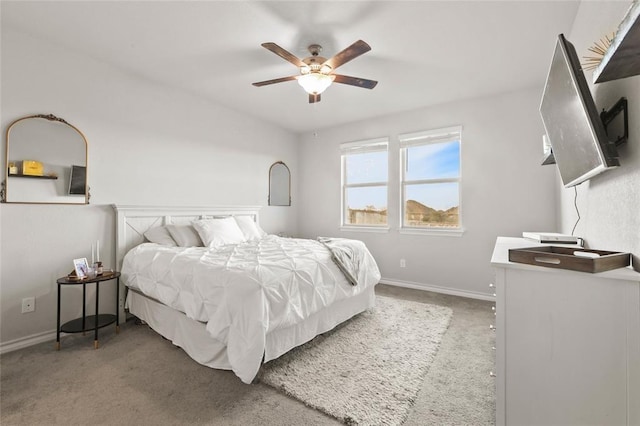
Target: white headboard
{"type": "Point", "coordinates": [133, 221]}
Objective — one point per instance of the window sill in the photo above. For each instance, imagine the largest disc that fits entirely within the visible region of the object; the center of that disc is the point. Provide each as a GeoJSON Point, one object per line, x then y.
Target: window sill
{"type": "Point", "coordinates": [458, 232]}
{"type": "Point", "coordinates": [377, 229]}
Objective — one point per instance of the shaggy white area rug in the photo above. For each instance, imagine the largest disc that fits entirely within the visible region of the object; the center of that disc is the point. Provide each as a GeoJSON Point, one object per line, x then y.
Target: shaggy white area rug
{"type": "Point", "coordinates": [368, 370]}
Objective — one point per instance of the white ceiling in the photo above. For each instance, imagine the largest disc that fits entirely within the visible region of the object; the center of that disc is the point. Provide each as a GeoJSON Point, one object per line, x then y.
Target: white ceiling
{"type": "Point", "coordinates": [423, 52]}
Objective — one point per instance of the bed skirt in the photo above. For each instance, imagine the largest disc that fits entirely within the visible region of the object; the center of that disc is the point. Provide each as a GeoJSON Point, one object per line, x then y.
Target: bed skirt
{"type": "Point", "coordinates": [192, 337]}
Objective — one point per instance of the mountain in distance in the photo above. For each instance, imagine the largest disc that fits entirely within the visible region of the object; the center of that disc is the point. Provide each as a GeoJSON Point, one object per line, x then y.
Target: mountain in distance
{"type": "Point", "coordinates": [416, 211]}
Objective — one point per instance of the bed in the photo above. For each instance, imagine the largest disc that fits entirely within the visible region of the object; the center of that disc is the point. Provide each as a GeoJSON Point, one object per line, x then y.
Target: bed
{"type": "Point", "coordinates": [236, 301]}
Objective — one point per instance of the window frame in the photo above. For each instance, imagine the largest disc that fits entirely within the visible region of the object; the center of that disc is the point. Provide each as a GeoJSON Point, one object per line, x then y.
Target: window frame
{"type": "Point", "coordinates": [429, 137]}
{"type": "Point", "coordinates": [361, 147]}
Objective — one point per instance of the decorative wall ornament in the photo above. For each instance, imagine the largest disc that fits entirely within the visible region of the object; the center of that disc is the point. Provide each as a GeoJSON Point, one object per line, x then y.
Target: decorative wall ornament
{"type": "Point", "coordinates": [279, 184]}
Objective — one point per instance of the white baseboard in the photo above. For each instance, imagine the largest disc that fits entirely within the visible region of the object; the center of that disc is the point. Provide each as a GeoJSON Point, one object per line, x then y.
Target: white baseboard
{"type": "Point", "coordinates": [23, 342]}
{"type": "Point", "coordinates": [438, 289]}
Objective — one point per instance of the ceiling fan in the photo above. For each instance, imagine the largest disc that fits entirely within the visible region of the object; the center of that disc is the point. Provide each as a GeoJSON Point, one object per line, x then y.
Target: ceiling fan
{"type": "Point", "coordinates": [316, 72]}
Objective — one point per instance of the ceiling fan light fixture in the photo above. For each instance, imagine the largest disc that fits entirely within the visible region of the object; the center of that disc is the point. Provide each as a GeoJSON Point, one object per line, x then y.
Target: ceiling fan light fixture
{"type": "Point", "coordinates": [316, 72]}
{"type": "Point", "coordinates": [315, 83]}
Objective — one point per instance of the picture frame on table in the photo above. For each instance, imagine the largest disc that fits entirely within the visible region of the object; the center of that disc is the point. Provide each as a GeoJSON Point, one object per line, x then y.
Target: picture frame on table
{"type": "Point", "coordinates": [81, 267]}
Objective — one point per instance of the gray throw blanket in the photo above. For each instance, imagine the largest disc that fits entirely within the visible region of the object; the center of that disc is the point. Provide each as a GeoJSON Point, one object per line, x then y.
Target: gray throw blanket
{"type": "Point", "coordinates": [347, 254]}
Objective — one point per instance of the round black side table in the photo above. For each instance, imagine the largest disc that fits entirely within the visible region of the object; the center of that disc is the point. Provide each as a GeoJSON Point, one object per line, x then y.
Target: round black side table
{"type": "Point", "coordinates": [91, 322]}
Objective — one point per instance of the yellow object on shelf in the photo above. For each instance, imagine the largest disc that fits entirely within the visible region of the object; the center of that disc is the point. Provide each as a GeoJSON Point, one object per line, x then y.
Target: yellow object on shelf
{"type": "Point", "coordinates": [32, 168]}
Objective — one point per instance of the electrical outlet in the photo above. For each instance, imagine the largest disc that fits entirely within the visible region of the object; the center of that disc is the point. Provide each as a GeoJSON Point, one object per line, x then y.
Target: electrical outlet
{"type": "Point", "coordinates": [28, 304]}
{"type": "Point", "coordinates": [403, 263]}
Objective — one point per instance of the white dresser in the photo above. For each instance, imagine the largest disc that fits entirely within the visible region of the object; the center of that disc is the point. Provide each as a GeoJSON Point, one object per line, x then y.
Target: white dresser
{"type": "Point", "coordinates": [567, 343]}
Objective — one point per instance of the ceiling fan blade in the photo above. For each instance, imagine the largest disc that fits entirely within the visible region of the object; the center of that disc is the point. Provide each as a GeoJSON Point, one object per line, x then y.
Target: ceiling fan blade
{"type": "Point", "coordinates": [314, 98]}
{"type": "Point", "coordinates": [351, 52]}
{"type": "Point", "coordinates": [355, 81]}
{"type": "Point", "coordinates": [283, 53]}
{"type": "Point", "coordinates": [274, 81]}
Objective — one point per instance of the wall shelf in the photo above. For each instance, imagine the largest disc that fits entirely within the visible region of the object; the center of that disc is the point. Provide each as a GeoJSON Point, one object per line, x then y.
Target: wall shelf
{"type": "Point", "coordinates": [34, 177]}
{"type": "Point", "coordinates": [622, 59]}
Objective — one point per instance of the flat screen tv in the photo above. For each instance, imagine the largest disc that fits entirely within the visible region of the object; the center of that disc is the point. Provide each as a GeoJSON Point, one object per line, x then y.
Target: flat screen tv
{"type": "Point", "coordinates": [576, 132]}
{"type": "Point", "coordinates": [78, 180]}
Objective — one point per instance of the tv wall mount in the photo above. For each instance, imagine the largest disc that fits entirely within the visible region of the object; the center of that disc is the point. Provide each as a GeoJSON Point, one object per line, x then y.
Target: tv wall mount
{"type": "Point", "coordinates": [607, 116]}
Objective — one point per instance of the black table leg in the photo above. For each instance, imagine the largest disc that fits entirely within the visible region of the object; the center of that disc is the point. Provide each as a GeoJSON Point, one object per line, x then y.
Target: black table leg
{"type": "Point", "coordinates": [58, 322]}
{"type": "Point", "coordinates": [95, 340]}
{"type": "Point", "coordinates": [84, 307]}
{"type": "Point", "coordinates": [117, 305]}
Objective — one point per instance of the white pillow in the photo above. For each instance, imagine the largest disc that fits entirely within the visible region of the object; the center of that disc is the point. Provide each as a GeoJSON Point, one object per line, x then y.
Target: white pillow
{"type": "Point", "coordinates": [160, 235]}
{"type": "Point", "coordinates": [217, 232]}
{"type": "Point", "coordinates": [250, 229]}
{"type": "Point", "coordinates": [185, 235]}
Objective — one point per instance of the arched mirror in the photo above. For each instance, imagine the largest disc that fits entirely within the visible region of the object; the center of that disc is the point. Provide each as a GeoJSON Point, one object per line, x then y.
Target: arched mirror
{"type": "Point", "coordinates": [46, 162]}
{"type": "Point", "coordinates": [279, 184]}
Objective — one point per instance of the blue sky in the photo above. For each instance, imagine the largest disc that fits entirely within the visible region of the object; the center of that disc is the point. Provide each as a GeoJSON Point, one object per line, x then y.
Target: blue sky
{"type": "Point", "coordinates": [433, 161]}
{"type": "Point", "coordinates": [423, 162]}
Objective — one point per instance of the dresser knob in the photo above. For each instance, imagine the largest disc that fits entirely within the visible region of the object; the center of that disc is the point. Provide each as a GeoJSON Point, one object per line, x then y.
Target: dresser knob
{"type": "Point", "coordinates": [493, 308]}
{"type": "Point", "coordinates": [491, 285]}
{"type": "Point", "coordinates": [492, 327]}
{"type": "Point", "coordinates": [495, 295]}
{"type": "Point", "coordinates": [492, 374]}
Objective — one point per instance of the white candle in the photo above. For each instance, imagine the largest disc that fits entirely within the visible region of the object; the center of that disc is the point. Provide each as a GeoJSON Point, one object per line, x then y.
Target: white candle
{"type": "Point", "coordinates": [93, 260]}
{"type": "Point", "coordinates": [98, 250]}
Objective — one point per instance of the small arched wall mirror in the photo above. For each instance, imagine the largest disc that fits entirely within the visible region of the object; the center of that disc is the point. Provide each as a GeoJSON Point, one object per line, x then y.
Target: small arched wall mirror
{"type": "Point", "coordinates": [46, 162]}
{"type": "Point", "coordinates": [279, 184]}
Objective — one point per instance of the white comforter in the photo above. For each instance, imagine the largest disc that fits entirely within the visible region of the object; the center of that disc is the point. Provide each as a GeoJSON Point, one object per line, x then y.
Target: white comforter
{"type": "Point", "coordinates": [244, 291]}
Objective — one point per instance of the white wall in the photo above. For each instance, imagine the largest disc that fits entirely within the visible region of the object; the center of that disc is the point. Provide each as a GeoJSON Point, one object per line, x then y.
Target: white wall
{"type": "Point", "coordinates": [609, 204]}
{"type": "Point", "coordinates": [504, 189]}
{"type": "Point", "coordinates": [148, 145]}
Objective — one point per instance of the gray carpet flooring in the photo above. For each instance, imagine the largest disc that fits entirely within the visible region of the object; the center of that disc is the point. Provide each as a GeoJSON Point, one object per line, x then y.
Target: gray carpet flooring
{"type": "Point", "coordinates": [136, 377]}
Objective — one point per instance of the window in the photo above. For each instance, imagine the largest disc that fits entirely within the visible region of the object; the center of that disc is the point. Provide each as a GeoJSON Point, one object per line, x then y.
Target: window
{"type": "Point", "coordinates": [430, 179]}
{"type": "Point", "coordinates": [365, 171]}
